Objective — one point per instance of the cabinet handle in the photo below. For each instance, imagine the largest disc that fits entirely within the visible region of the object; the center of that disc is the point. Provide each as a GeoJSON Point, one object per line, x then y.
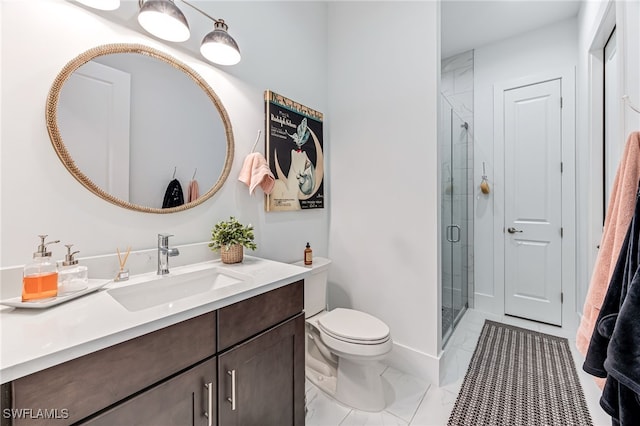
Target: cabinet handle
{"type": "Point", "coordinates": [232, 399]}
{"type": "Point", "coordinates": [209, 413]}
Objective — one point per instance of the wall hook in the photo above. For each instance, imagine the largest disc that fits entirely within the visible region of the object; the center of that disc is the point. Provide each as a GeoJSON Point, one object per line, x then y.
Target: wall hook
{"type": "Point", "coordinates": [627, 101]}
{"type": "Point", "coordinates": [484, 184]}
{"type": "Point", "coordinates": [174, 171]}
{"type": "Point", "coordinates": [256, 142]}
{"type": "Point", "coordinates": [194, 174]}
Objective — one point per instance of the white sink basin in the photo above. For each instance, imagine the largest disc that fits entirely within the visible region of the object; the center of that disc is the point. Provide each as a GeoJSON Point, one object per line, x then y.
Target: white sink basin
{"type": "Point", "coordinates": [156, 290]}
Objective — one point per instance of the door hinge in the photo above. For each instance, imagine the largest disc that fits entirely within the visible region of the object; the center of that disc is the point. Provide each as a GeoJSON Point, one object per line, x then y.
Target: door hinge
{"type": "Point", "coordinates": [561, 232]}
{"type": "Point", "coordinates": [562, 167]}
{"type": "Point", "coordinates": [561, 297]}
{"type": "Point", "coordinates": [561, 102]}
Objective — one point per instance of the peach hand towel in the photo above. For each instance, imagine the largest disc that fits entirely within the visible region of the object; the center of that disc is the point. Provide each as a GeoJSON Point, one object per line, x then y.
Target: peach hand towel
{"type": "Point", "coordinates": [619, 213]}
{"type": "Point", "coordinates": [255, 172]}
{"type": "Point", "coordinates": [194, 190]}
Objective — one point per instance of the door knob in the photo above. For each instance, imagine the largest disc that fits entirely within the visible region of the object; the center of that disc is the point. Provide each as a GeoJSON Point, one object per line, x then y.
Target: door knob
{"type": "Point", "coordinates": [513, 230]}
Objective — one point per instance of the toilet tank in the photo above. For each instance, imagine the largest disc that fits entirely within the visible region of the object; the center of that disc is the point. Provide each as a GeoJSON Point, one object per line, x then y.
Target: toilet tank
{"type": "Point", "coordinates": [315, 286]}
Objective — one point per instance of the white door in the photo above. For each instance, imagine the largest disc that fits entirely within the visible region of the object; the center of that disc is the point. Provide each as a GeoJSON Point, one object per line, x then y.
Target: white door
{"type": "Point", "coordinates": [613, 142]}
{"type": "Point", "coordinates": [94, 121]}
{"type": "Point", "coordinates": [533, 200]}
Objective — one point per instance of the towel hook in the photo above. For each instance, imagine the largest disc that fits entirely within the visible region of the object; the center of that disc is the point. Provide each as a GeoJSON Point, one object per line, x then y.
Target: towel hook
{"type": "Point", "coordinates": [257, 139]}
{"type": "Point", "coordinates": [627, 101]}
{"type": "Point", "coordinates": [194, 174]}
{"type": "Point", "coordinates": [174, 171]}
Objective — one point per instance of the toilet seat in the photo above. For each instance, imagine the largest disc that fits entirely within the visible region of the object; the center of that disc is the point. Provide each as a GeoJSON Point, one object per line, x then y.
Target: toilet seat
{"type": "Point", "coordinates": [355, 327]}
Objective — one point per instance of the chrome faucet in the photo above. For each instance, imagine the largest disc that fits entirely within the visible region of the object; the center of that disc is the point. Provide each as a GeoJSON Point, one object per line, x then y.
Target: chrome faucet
{"type": "Point", "coordinates": [164, 252]}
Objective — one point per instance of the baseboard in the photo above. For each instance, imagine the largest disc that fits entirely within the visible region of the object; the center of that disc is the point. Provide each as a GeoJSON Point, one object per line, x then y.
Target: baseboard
{"type": "Point", "coordinates": [487, 303]}
{"type": "Point", "coordinates": [415, 363]}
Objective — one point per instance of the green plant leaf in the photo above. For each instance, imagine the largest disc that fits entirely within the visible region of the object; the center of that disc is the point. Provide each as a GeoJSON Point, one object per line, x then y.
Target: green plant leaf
{"type": "Point", "coordinates": [230, 232]}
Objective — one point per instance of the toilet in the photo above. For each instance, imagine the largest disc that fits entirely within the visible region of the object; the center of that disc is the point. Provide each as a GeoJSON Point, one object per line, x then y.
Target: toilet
{"type": "Point", "coordinates": [343, 346]}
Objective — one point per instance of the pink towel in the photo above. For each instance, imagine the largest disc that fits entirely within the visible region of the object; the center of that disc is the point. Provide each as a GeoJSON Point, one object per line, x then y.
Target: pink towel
{"type": "Point", "coordinates": [619, 214]}
{"type": "Point", "coordinates": [255, 172]}
{"type": "Point", "coordinates": [194, 191]}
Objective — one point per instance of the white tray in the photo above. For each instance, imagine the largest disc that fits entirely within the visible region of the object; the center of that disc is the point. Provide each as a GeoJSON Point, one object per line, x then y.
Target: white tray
{"type": "Point", "coordinates": [16, 302]}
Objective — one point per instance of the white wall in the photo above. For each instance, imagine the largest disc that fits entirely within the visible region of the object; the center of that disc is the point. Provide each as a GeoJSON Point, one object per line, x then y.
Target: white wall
{"type": "Point", "coordinates": [384, 237]}
{"type": "Point", "coordinates": [38, 195]}
{"type": "Point", "coordinates": [549, 49]}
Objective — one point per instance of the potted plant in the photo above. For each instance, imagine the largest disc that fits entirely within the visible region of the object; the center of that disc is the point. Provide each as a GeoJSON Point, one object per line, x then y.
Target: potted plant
{"type": "Point", "coordinates": [229, 237]}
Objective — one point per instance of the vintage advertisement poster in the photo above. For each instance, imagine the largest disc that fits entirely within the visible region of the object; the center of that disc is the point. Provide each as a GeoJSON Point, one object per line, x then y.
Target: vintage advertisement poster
{"type": "Point", "coordinates": [295, 154]}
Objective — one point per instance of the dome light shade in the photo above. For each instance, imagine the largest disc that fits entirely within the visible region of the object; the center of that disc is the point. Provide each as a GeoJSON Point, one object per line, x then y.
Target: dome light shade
{"type": "Point", "coordinates": [101, 4]}
{"type": "Point", "coordinates": [163, 19]}
{"type": "Point", "coordinates": [219, 47]}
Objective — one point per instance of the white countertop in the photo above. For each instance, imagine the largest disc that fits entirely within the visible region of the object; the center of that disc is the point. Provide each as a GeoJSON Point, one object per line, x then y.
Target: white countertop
{"type": "Point", "coordinates": [34, 339]}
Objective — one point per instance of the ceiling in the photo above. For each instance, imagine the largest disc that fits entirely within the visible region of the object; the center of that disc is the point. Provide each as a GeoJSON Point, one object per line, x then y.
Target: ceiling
{"type": "Point", "coordinates": [468, 24]}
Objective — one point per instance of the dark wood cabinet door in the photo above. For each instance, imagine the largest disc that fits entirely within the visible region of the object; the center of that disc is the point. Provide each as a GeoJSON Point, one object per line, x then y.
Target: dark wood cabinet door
{"type": "Point", "coordinates": [182, 400]}
{"type": "Point", "coordinates": [261, 381]}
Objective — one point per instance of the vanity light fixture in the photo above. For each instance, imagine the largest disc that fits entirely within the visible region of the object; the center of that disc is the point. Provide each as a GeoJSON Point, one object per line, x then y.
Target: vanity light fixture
{"type": "Point", "coordinates": [218, 46]}
{"type": "Point", "coordinates": [101, 4]}
{"type": "Point", "coordinates": [165, 20]}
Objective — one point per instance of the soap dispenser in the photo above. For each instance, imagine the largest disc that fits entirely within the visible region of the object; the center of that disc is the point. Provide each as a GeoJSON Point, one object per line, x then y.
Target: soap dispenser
{"type": "Point", "coordinates": [71, 276]}
{"type": "Point", "coordinates": [40, 279]}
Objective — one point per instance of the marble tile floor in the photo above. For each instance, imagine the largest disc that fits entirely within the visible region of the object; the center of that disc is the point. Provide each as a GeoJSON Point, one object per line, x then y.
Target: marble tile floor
{"type": "Point", "coordinates": [415, 402]}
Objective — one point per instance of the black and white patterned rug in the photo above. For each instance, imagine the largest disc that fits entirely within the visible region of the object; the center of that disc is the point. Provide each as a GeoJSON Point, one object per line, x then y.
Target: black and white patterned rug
{"type": "Point", "coordinates": [520, 377]}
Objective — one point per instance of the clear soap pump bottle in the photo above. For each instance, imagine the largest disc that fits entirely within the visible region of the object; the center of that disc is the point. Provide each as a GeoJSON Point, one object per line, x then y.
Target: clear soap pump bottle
{"type": "Point", "coordinates": [40, 279]}
{"type": "Point", "coordinates": [71, 276]}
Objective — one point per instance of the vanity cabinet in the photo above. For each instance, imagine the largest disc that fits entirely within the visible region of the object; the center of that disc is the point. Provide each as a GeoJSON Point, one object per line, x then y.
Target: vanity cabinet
{"type": "Point", "coordinates": [242, 364]}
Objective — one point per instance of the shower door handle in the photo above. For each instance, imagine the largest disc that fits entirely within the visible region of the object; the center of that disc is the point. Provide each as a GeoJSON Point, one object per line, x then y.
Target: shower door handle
{"type": "Point", "coordinates": [457, 239]}
{"type": "Point", "coordinates": [450, 237]}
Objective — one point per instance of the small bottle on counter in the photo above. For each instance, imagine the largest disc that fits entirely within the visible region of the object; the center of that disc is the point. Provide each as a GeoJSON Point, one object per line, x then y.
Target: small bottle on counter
{"type": "Point", "coordinates": [40, 278]}
{"type": "Point", "coordinates": [71, 276]}
{"type": "Point", "coordinates": [308, 255]}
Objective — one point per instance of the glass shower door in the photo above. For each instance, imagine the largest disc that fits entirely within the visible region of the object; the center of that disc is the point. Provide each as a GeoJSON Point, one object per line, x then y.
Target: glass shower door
{"type": "Point", "coordinates": [454, 214]}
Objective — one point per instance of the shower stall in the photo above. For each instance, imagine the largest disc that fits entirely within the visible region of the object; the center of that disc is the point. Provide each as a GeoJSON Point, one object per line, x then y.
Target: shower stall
{"type": "Point", "coordinates": [456, 215]}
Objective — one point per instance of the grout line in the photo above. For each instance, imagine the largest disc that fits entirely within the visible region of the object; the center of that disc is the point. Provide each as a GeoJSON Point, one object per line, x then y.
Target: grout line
{"type": "Point", "coordinates": [345, 417]}
{"type": "Point", "coordinates": [424, 395]}
{"type": "Point", "coordinates": [398, 417]}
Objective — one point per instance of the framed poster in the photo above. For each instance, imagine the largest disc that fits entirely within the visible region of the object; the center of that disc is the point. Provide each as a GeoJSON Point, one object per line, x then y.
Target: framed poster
{"type": "Point", "coordinates": [294, 153]}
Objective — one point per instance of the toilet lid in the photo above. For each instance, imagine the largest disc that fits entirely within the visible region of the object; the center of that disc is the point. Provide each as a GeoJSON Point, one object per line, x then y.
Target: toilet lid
{"type": "Point", "coordinates": [351, 325]}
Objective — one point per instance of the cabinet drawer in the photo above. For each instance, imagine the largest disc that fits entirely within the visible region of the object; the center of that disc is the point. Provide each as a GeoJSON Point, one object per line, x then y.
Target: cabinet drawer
{"type": "Point", "coordinates": [92, 382]}
{"type": "Point", "coordinates": [249, 317]}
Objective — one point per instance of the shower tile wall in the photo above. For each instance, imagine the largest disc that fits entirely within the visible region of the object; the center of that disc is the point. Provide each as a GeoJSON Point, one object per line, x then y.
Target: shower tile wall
{"type": "Point", "coordinates": [457, 88]}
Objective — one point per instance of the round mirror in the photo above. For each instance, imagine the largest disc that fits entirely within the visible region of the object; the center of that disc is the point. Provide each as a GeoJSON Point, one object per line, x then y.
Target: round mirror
{"type": "Point", "coordinates": [140, 129]}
